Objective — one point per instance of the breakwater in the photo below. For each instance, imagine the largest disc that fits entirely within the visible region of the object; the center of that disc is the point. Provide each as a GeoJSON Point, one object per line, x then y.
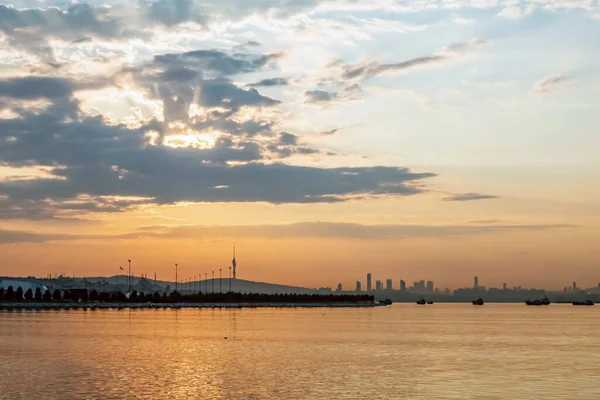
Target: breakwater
{"type": "Point", "coordinates": [143, 306]}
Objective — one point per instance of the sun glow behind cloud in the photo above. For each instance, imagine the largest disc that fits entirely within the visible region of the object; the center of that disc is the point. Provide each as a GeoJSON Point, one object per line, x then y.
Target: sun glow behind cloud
{"type": "Point", "coordinates": [192, 139]}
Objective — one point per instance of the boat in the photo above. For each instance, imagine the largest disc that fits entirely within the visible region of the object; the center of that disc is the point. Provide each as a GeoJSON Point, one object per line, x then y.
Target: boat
{"type": "Point", "coordinates": [533, 302]}
{"type": "Point", "coordinates": [545, 301]}
{"type": "Point", "coordinates": [421, 301]}
{"type": "Point", "coordinates": [478, 302]}
{"type": "Point", "coordinates": [583, 303]}
{"type": "Point", "coordinates": [430, 302]}
{"type": "Point", "coordinates": [387, 302]}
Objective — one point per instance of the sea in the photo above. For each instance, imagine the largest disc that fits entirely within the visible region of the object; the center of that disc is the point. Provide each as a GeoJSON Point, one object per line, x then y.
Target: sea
{"type": "Point", "coordinates": [403, 351]}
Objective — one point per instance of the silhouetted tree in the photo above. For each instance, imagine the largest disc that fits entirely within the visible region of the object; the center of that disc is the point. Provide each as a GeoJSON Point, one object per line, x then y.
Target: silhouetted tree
{"type": "Point", "coordinates": [66, 295]}
{"type": "Point", "coordinates": [10, 294]}
{"type": "Point", "coordinates": [93, 295]}
{"type": "Point", "coordinates": [56, 296]}
{"type": "Point", "coordinates": [38, 294]}
{"type": "Point", "coordinates": [1, 294]}
{"type": "Point", "coordinates": [19, 294]}
{"type": "Point", "coordinates": [133, 296]}
{"type": "Point", "coordinates": [29, 294]}
{"type": "Point", "coordinates": [156, 298]}
{"type": "Point", "coordinates": [47, 296]}
{"type": "Point", "coordinates": [104, 297]}
{"type": "Point", "coordinates": [175, 296]}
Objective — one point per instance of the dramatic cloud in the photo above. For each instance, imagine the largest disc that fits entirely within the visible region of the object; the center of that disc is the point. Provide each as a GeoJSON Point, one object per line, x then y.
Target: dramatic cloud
{"type": "Point", "coordinates": [550, 83]}
{"type": "Point", "coordinates": [33, 88]}
{"type": "Point", "coordinates": [96, 167]}
{"type": "Point", "coordinates": [469, 197]}
{"type": "Point", "coordinates": [217, 61]}
{"type": "Point", "coordinates": [324, 230]}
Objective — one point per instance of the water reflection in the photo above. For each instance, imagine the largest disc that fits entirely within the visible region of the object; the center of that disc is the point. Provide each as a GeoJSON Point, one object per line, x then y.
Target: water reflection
{"type": "Point", "coordinates": [440, 352]}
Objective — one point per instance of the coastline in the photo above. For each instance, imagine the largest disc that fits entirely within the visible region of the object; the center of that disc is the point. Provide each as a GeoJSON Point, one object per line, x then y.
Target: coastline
{"type": "Point", "coordinates": [144, 306]}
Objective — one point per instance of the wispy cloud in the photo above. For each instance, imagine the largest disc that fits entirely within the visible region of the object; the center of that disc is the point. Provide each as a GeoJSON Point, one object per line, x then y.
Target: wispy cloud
{"type": "Point", "coordinates": [365, 70]}
{"type": "Point", "coordinates": [270, 82]}
{"type": "Point", "coordinates": [322, 97]}
{"type": "Point", "coordinates": [551, 83]}
{"type": "Point", "coordinates": [469, 197]}
{"type": "Point", "coordinates": [324, 230]}
{"type": "Point", "coordinates": [516, 11]}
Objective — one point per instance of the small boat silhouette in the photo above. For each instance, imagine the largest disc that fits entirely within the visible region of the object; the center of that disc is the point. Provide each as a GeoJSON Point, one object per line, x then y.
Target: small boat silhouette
{"type": "Point", "coordinates": [387, 301]}
{"type": "Point", "coordinates": [533, 302]}
{"type": "Point", "coordinates": [583, 303]}
{"type": "Point", "coordinates": [421, 301]}
{"type": "Point", "coordinates": [429, 302]}
{"type": "Point", "coordinates": [478, 302]}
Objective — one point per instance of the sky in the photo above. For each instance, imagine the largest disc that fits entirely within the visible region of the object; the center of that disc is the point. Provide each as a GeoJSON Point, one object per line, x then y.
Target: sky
{"type": "Point", "coordinates": [430, 139]}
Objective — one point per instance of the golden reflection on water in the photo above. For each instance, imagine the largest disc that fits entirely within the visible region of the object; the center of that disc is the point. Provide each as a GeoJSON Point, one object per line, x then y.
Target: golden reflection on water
{"type": "Point", "coordinates": [441, 351]}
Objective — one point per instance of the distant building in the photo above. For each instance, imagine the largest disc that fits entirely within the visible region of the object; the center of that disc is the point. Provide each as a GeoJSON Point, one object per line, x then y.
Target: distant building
{"type": "Point", "coordinates": [574, 286]}
{"type": "Point", "coordinates": [339, 288]}
{"type": "Point", "coordinates": [378, 286]}
{"type": "Point", "coordinates": [358, 286]}
{"type": "Point", "coordinates": [388, 284]}
{"type": "Point", "coordinates": [504, 286]}
{"type": "Point", "coordinates": [403, 286]}
{"type": "Point", "coordinates": [369, 288]}
{"type": "Point", "coordinates": [419, 286]}
{"type": "Point", "coordinates": [429, 287]}
{"type": "Point", "coordinates": [475, 282]}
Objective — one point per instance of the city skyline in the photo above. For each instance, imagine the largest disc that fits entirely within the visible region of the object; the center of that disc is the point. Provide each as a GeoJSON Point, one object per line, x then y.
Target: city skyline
{"type": "Point", "coordinates": [324, 138]}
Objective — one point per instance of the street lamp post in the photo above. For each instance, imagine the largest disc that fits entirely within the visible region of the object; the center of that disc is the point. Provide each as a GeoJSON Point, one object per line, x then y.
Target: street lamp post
{"type": "Point", "coordinates": [206, 281]}
{"type": "Point", "coordinates": [213, 282]}
{"type": "Point", "coordinates": [176, 275]}
{"type": "Point", "coordinates": [220, 282]}
{"type": "Point", "coordinates": [229, 279]}
{"type": "Point", "coordinates": [130, 280]}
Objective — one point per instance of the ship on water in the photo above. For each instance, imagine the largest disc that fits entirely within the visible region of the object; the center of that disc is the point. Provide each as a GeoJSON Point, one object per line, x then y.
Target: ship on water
{"type": "Point", "coordinates": [583, 303]}
{"type": "Point", "coordinates": [421, 301]}
{"type": "Point", "coordinates": [538, 302]}
{"type": "Point", "coordinates": [478, 302]}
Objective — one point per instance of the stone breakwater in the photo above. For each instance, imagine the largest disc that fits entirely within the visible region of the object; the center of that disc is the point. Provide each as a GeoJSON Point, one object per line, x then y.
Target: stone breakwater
{"type": "Point", "coordinates": [144, 306]}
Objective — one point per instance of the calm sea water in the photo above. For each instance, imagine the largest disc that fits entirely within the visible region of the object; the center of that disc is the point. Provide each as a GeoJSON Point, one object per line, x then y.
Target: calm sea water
{"type": "Point", "coordinates": [440, 351]}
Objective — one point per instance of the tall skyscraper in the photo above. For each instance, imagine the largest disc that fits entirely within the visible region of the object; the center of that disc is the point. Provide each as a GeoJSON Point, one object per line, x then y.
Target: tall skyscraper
{"type": "Point", "coordinates": [339, 288]}
{"type": "Point", "coordinates": [358, 286]}
{"type": "Point", "coordinates": [378, 286]}
{"type": "Point", "coordinates": [504, 286]}
{"type": "Point", "coordinates": [429, 287]}
{"type": "Point", "coordinates": [369, 282]}
{"type": "Point", "coordinates": [574, 285]}
{"type": "Point", "coordinates": [475, 282]}
{"type": "Point", "coordinates": [233, 263]}
{"type": "Point", "coordinates": [402, 286]}
{"type": "Point", "coordinates": [388, 284]}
